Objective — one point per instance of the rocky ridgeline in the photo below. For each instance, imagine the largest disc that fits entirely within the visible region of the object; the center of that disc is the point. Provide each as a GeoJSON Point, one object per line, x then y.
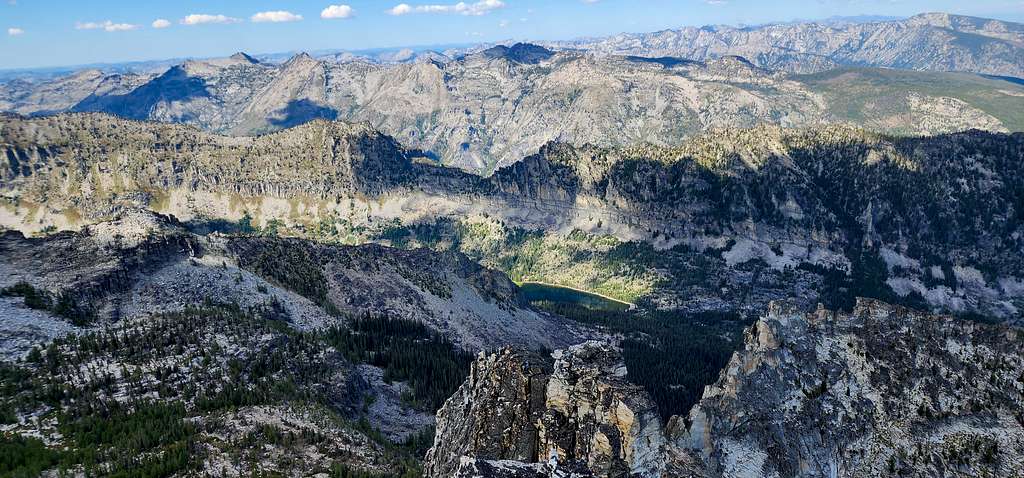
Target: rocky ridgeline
{"type": "Point", "coordinates": [823, 196]}
{"type": "Point", "coordinates": [106, 156]}
{"type": "Point", "coordinates": [491, 108]}
{"type": "Point", "coordinates": [882, 391]}
{"type": "Point", "coordinates": [141, 264]}
{"type": "Point", "coordinates": [931, 41]}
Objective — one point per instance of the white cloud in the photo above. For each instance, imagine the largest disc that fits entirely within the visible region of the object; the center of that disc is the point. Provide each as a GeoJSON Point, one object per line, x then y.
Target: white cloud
{"type": "Point", "coordinates": [481, 7]}
{"type": "Point", "coordinates": [161, 23]}
{"type": "Point", "coordinates": [401, 9]}
{"type": "Point", "coordinates": [202, 18]}
{"type": "Point", "coordinates": [590, 2]}
{"type": "Point", "coordinates": [119, 27]}
{"type": "Point", "coordinates": [338, 11]}
{"type": "Point", "coordinates": [15, 32]}
{"type": "Point", "coordinates": [278, 16]}
{"type": "Point", "coordinates": [108, 26]}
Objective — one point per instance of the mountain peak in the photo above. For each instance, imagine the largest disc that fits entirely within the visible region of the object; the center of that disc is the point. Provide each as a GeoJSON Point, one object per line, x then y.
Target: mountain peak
{"type": "Point", "coordinates": [242, 56]}
{"type": "Point", "coordinates": [302, 58]}
{"type": "Point", "coordinates": [527, 53]}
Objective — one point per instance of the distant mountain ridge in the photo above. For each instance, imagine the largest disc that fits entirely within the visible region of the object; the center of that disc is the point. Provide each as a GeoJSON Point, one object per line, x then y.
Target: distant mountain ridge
{"type": "Point", "coordinates": [488, 109]}
{"type": "Point", "coordinates": [930, 41]}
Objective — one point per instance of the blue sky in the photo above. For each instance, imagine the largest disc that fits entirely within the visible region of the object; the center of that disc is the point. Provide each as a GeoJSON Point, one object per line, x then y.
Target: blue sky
{"type": "Point", "coordinates": [36, 33]}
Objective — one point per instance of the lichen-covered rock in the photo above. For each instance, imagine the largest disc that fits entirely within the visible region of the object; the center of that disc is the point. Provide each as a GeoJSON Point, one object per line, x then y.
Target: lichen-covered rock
{"type": "Point", "coordinates": [595, 416]}
{"type": "Point", "coordinates": [883, 391]}
{"type": "Point", "coordinates": [475, 468]}
{"type": "Point", "coordinates": [580, 414]}
{"type": "Point", "coordinates": [494, 415]}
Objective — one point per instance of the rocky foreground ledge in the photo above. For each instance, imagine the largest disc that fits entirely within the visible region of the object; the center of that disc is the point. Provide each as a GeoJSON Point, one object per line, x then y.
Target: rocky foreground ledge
{"type": "Point", "coordinates": [882, 391]}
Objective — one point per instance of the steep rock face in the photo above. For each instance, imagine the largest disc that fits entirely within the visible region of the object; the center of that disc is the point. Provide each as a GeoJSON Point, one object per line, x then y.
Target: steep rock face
{"type": "Point", "coordinates": [881, 391]}
{"type": "Point", "coordinates": [320, 159]}
{"type": "Point", "coordinates": [878, 392]}
{"type": "Point", "coordinates": [581, 416]}
{"type": "Point", "coordinates": [470, 468]}
{"type": "Point", "coordinates": [868, 188]}
{"type": "Point", "coordinates": [494, 415]}
{"type": "Point", "coordinates": [835, 197]}
{"type": "Point", "coordinates": [595, 416]}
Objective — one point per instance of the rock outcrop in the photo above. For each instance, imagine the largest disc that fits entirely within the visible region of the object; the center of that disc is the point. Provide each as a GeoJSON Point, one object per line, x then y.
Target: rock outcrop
{"type": "Point", "coordinates": [881, 391]}
{"type": "Point", "coordinates": [580, 415]}
{"type": "Point", "coordinates": [494, 415]}
{"type": "Point", "coordinates": [596, 417]}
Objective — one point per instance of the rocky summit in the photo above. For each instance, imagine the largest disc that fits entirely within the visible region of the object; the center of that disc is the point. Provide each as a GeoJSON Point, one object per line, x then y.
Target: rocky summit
{"type": "Point", "coordinates": [881, 391]}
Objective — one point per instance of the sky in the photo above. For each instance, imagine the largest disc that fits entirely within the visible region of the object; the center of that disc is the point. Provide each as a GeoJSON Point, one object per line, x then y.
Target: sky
{"type": "Point", "coordinates": [44, 33]}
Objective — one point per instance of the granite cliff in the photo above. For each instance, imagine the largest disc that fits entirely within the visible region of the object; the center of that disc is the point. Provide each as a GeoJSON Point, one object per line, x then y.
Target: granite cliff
{"type": "Point", "coordinates": [881, 391]}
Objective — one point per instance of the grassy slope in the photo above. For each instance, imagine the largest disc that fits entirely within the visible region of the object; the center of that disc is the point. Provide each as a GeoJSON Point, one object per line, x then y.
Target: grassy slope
{"type": "Point", "coordinates": [849, 90]}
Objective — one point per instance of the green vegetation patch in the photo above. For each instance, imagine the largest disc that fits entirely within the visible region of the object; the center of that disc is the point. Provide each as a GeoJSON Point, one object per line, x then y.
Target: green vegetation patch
{"type": "Point", "coordinates": [854, 91]}
{"type": "Point", "coordinates": [621, 270]}
{"type": "Point", "coordinates": [408, 351]}
{"type": "Point", "coordinates": [62, 305]}
{"type": "Point", "coordinates": [22, 457]}
{"type": "Point", "coordinates": [295, 266]}
{"type": "Point", "coordinates": [169, 382]}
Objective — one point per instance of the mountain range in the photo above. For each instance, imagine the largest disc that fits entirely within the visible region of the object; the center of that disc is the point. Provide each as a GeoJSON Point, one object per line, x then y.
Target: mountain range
{"type": "Point", "coordinates": [782, 250]}
{"type": "Point", "coordinates": [930, 41]}
{"type": "Point", "coordinates": [832, 212]}
{"type": "Point", "coordinates": [492, 107]}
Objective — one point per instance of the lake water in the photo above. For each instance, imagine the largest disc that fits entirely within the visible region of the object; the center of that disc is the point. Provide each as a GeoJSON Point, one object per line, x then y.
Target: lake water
{"type": "Point", "coordinates": [535, 292]}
